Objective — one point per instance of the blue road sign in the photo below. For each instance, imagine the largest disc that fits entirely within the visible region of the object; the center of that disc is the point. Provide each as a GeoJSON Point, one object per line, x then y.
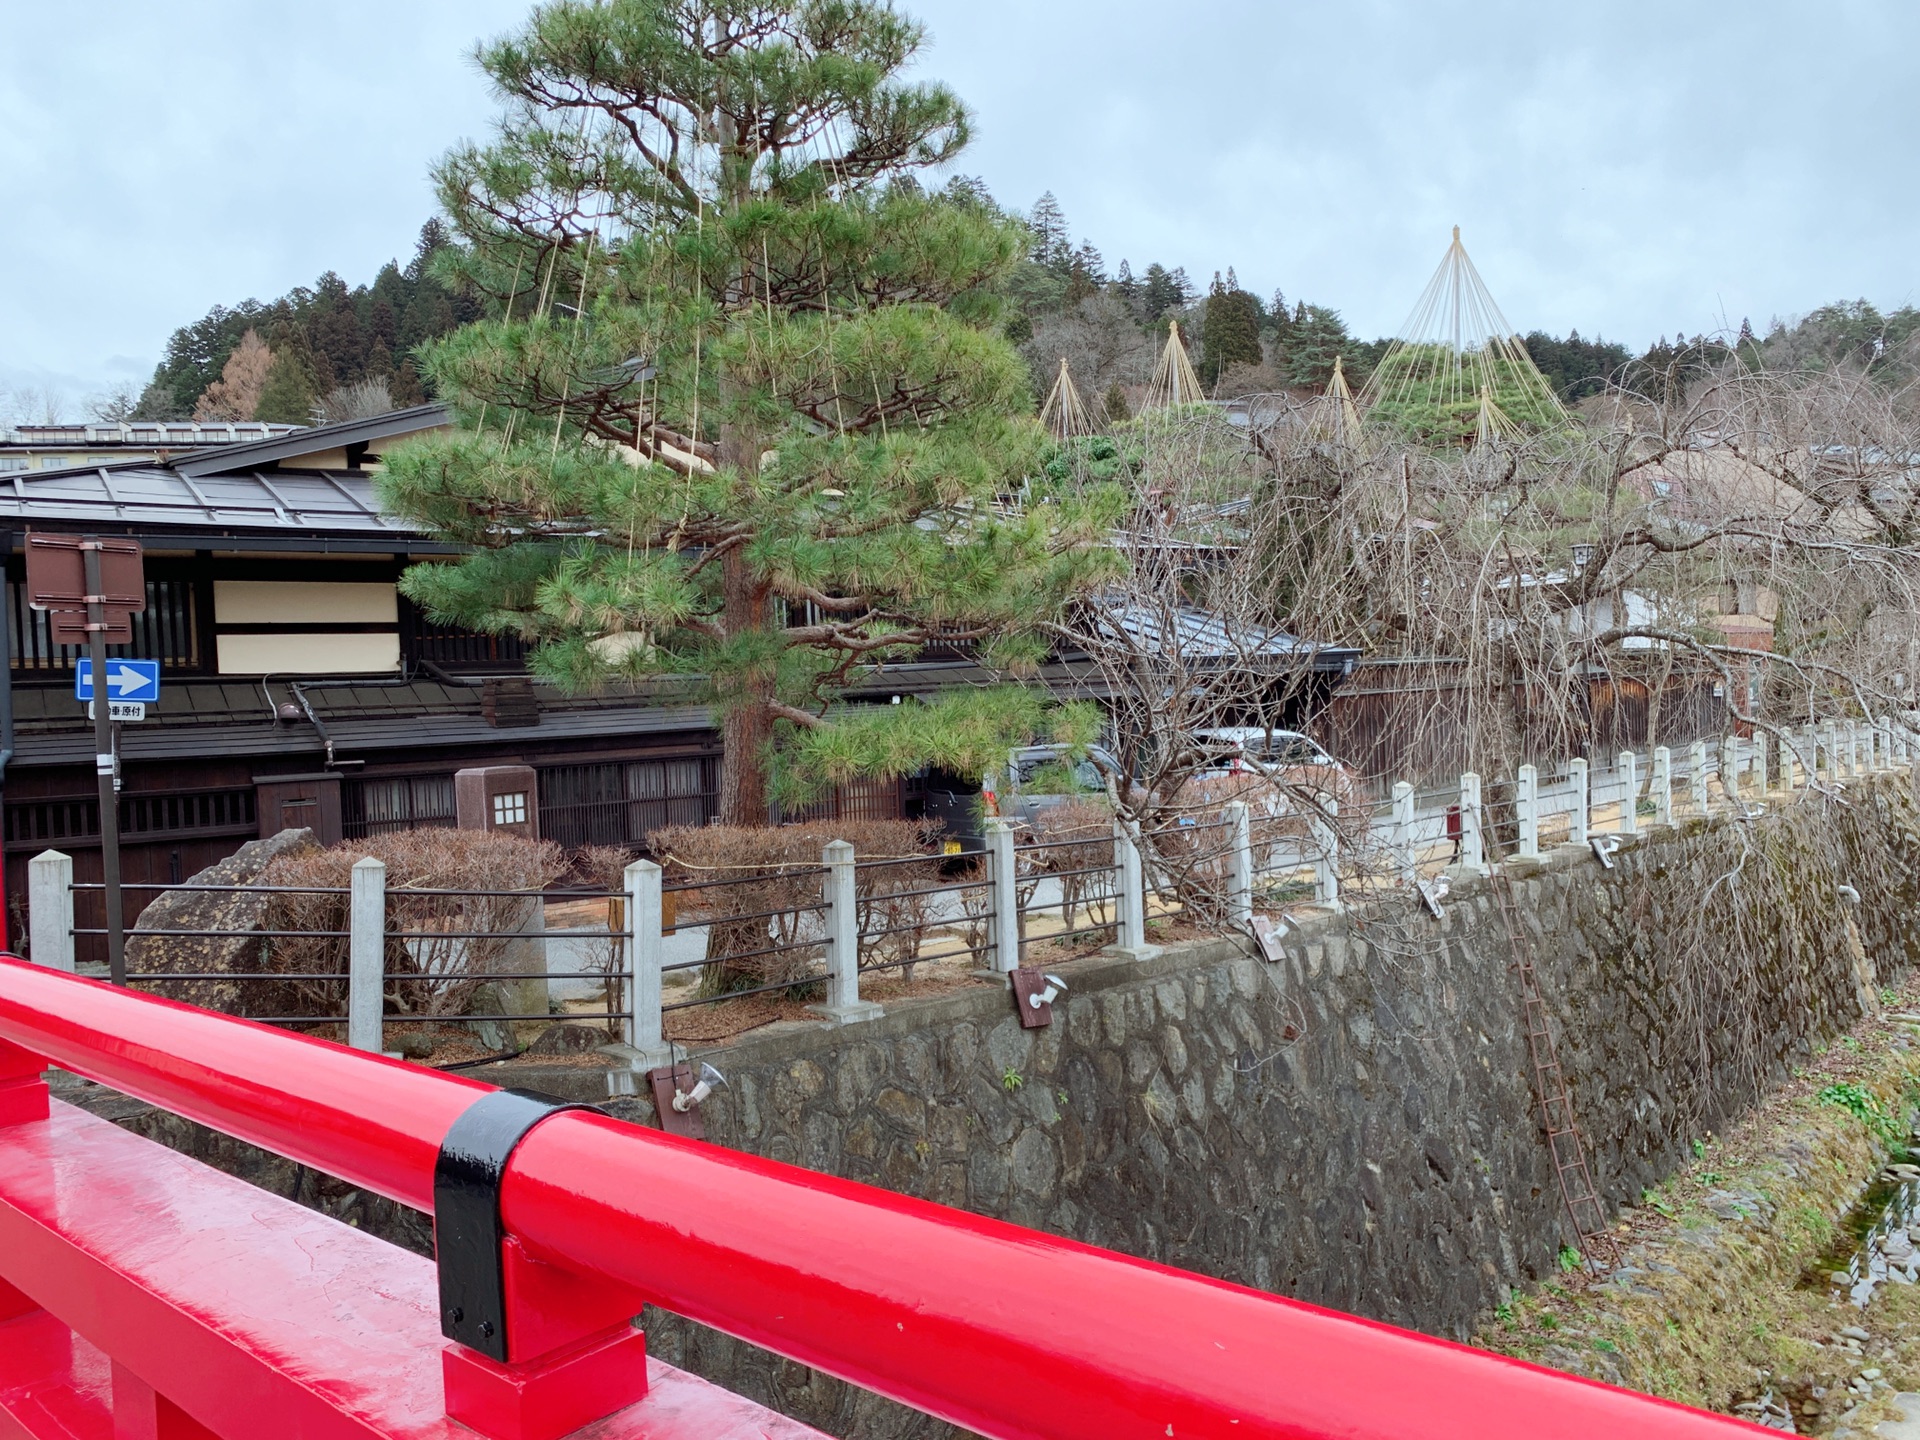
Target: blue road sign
{"type": "Point", "coordinates": [126, 680]}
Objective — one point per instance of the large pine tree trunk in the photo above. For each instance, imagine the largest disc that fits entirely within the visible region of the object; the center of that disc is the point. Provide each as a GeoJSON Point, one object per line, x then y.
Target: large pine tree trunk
{"type": "Point", "coordinates": [748, 725]}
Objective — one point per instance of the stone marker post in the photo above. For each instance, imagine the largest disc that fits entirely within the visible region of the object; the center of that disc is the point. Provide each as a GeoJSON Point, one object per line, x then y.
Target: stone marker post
{"type": "Point", "coordinates": [1403, 832]}
{"type": "Point", "coordinates": [1661, 786]}
{"type": "Point", "coordinates": [1473, 839]}
{"type": "Point", "coordinates": [998, 835]}
{"type": "Point", "coordinates": [50, 910]}
{"type": "Point", "coordinates": [1629, 767]}
{"type": "Point", "coordinates": [366, 954]}
{"type": "Point", "coordinates": [1239, 828]}
{"type": "Point", "coordinates": [646, 953]}
{"type": "Point", "coordinates": [1581, 811]}
{"type": "Point", "coordinates": [841, 896]}
{"type": "Point", "coordinates": [1526, 804]}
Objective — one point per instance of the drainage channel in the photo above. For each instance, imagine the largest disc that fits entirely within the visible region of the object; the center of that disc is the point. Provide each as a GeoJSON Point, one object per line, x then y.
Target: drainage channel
{"type": "Point", "coordinates": [1878, 1241]}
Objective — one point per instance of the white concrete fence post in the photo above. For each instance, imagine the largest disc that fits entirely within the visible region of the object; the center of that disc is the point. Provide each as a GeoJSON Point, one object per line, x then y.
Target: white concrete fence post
{"type": "Point", "coordinates": [1629, 767]}
{"type": "Point", "coordinates": [1660, 787]}
{"type": "Point", "coordinates": [1697, 774]}
{"type": "Point", "coordinates": [1473, 839]}
{"type": "Point", "coordinates": [1326, 844]}
{"type": "Point", "coordinates": [1526, 804]}
{"type": "Point", "coordinates": [1850, 744]}
{"type": "Point", "coordinates": [646, 954]}
{"type": "Point", "coordinates": [1403, 832]}
{"type": "Point", "coordinates": [1239, 827]}
{"type": "Point", "coordinates": [1730, 770]}
{"type": "Point", "coordinates": [50, 910]}
{"type": "Point", "coordinates": [1819, 743]}
{"type": "Point", "coordinates": [1763, 775]}
{"type": "Point", "coordinates": [1581, 813]}
{"type": "Point", "coordinates": [1130, 918]}
{"type": "Point", "coordinates": [366, 954]}
{"type": "Point", "coordinates": [1883, 747]}
{"type": "Point", "coordinates": [1005, 928]}
{"type": "Point", "coordinates": [840, 892]}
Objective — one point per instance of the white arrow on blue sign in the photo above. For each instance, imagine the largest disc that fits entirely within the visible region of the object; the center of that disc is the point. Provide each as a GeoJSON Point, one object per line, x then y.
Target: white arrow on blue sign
{"type": "Point", "coordinates": [126, 680]}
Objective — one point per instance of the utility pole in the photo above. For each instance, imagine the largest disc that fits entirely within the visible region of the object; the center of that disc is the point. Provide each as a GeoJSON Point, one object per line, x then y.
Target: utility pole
{"type": "Point", "coordinates": [106, 763]}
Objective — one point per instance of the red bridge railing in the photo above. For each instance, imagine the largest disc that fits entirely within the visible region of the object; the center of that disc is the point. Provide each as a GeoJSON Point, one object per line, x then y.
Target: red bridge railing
{"type": "Point", "coordinates": [214, 1309]}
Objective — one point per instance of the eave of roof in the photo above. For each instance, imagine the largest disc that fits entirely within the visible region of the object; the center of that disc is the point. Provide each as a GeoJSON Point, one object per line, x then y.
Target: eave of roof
{"type": "Point", "coordinates": [311, 441]}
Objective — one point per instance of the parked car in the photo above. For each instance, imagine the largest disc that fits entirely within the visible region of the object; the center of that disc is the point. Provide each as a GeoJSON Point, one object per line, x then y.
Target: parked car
{"type": "Point", "coordinates": [1298, 765]}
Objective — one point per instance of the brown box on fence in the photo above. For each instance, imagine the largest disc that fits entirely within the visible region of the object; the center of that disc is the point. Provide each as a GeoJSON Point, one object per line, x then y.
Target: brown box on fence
{"type": "Point", "coordinates": [498, 797]}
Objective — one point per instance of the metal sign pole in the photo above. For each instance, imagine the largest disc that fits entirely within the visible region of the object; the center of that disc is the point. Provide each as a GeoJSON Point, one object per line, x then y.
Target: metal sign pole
{"type": "Point", "coordinates": [104, 764]}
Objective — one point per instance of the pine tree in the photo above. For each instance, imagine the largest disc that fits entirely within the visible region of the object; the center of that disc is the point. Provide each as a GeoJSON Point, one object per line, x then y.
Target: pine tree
{"type": "Point", "coordinates": [793, 350]}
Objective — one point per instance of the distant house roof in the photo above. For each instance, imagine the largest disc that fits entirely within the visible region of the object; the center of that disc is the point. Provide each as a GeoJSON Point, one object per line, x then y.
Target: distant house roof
{"type": "Point", "coordinates": [314, 440]}
{"type": "Point", "coordinates": [1202, 635]}
{"type": "Point", "coordinates": [141, 434]}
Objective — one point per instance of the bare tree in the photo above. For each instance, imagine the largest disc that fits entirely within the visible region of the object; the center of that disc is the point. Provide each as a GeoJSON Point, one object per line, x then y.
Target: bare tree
{"type": "Point", "coordinates": [115, 405]}
{"type": "Point", "coordinates": [236, 394]}
{"type": "Point", "coordinates": [361, 400]}
{"type": "Point", "coordinates": [1742, 556]}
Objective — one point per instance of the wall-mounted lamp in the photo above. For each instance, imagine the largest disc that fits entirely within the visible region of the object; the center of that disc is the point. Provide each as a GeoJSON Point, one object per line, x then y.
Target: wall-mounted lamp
{"type": "Point", "coordinates": [1432, 892]}
{"type": "Point", "coordinates": [1604, 848]}
{"type": "Point", "coordinates": [685, 1100]}
{"type": "Point", "coordinates": [1050, 994]}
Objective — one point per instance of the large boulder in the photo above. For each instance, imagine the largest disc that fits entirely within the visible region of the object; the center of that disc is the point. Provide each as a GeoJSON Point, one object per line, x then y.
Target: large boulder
{"type": "Point", "coordinates": [163, 939]}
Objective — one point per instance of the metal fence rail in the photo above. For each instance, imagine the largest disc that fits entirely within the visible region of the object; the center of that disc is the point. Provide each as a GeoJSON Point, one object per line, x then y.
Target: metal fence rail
{"type": "Point", "coordinates": [842, 918]}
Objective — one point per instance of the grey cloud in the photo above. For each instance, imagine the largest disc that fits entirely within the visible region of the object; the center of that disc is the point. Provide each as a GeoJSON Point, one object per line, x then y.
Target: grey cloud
{"type": "Point", "coordinates": [1628, 169]}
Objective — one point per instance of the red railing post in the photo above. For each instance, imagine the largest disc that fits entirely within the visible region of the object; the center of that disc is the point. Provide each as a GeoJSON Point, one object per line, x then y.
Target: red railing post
{"type": "Point", "coordinates": [23, 1086]}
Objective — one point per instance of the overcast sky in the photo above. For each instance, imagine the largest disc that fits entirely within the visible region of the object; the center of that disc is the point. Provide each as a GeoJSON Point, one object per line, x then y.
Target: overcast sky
{"type": "Point", "coordinates": [1629, 169]}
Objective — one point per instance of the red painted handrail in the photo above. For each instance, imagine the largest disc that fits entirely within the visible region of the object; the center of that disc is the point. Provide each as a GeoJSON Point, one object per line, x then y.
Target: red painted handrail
{"type": "Point", "coordinates": [1006, 1331]}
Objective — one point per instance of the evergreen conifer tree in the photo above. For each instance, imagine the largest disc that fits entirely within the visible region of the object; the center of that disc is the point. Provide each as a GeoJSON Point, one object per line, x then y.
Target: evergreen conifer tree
{"type": "Point", "coordinates": [1229, 331]}
{"type": "Point", "coordinates": [287, 397]}
{"type": "Point", "coordinates": [738, 408]}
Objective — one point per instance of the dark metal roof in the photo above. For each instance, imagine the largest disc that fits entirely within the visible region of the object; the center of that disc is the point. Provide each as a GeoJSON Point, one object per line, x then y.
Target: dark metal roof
{"type": "Point", "coordinates": [313, 440]}
{"type": "Point", "coordinates": [149, 493]}
{"type": "Point", "coordinates": [1200, 634]}
{"type": "Point", "coordinates": [197, 717]}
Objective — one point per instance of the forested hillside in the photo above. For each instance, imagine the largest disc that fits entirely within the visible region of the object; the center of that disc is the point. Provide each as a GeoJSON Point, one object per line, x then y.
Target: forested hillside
{"type": "Point", "coordinates": [327, 348]}
{"type": "Point", "coordinates": [329, 351]}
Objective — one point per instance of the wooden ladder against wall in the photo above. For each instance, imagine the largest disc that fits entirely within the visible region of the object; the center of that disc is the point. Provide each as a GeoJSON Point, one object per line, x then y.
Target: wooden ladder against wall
{"type": "Point", "coordinates": [1585, 1210]}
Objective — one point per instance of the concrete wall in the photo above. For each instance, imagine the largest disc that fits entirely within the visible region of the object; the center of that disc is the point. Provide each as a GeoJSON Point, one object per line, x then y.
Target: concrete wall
{"type": "Point", "coordinates": [1355, 1125]}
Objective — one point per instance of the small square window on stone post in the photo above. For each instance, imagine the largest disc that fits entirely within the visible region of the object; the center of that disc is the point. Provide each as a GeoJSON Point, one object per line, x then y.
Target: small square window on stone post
{"type": "Point", "coordinates": [498, 797]}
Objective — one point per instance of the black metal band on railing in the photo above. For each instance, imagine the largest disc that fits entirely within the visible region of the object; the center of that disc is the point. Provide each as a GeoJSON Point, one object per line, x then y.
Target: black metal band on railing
{"type": "Point", "coordinates": [467, 1230]}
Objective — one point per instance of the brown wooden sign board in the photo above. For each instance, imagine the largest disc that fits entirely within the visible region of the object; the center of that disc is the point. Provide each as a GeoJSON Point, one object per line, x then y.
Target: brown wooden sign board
{"type": "Point", "coordinates": [57, 583]}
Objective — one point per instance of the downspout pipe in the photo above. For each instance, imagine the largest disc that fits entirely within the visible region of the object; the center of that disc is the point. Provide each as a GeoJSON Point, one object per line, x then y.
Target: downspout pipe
{"type": "Point", "coordinates": [319, 727]}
